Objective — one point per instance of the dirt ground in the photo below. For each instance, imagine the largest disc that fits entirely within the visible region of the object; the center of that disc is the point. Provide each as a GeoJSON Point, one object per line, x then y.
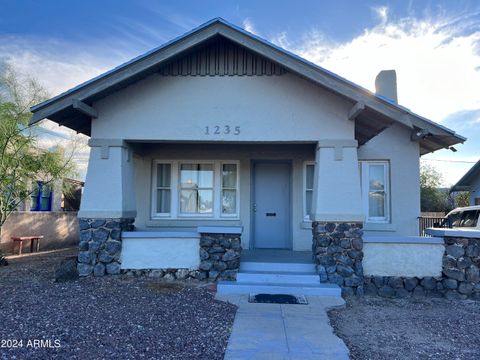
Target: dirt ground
{"type": "Point", "coordinates": [377, 328]}
{"type": "Point", "coordinates": [113, 317]}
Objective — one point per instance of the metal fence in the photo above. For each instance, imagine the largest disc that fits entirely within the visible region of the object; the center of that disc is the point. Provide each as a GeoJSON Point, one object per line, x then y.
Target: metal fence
{"type": "Point", "coordinates": [425, 222]}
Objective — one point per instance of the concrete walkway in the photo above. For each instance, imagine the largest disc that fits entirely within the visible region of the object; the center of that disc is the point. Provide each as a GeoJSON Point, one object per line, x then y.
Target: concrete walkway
{"type": "Point", "coordinates": [272, 331]}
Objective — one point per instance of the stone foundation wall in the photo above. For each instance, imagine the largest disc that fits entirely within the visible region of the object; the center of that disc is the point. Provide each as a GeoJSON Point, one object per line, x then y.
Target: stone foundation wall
{"type": "Point", "coordinates": [220, 256]}
{"type": "Point", "coordinates": [100, 245]}
{"type": "Point", "coordinates": [337, 249]}
{"type": "Point", "coordinates": [169, 274]}
{"type": "Point", "coordinates": [460, 277]}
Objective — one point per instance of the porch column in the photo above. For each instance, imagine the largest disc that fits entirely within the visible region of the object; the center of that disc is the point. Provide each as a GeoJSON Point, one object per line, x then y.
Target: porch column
{"type": "Point", "coordinates": [338, 215]}
{"type": "Point", "coordinates": [107, 207]}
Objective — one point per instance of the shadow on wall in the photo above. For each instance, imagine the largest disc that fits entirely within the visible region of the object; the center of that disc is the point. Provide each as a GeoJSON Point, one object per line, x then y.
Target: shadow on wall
{"type": "Point", "coordinates": [60, 230]}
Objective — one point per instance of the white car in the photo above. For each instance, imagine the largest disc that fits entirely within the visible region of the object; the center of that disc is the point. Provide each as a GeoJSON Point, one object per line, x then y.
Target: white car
{"type": "Point", "coordinates": [464, 218]}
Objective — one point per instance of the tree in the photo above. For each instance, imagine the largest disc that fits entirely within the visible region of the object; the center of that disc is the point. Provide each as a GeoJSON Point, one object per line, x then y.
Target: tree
{"type": "Point", "coordinates": [461, 198]}
{"type": "Point", "coordinates": [432, 197]}
{"type": "Point", "coordinates": [22, 160]}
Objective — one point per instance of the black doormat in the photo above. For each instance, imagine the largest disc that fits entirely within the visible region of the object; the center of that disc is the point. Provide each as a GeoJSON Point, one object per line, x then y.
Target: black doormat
{"type": "Point", "coordinates": [278, 299]}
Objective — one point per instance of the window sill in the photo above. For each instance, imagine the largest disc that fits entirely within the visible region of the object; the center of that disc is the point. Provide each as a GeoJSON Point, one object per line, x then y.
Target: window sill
{"type": "Point", "coordinates": [379, 227]}
{"type": "Point", "coordinates": [306, 224]}
{"type": "Point", "coordinates": [192, 222]}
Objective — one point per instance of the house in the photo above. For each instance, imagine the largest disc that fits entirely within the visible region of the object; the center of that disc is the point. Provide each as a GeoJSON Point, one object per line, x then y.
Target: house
{"type": "Point", "coordinates": [61, 195]}
{"type": "Point", "coordinates": [220, 141]}
{"type": "Point", "coordinates": [51, 211]}
{"type": "Point", "coordinates": [470, 182]}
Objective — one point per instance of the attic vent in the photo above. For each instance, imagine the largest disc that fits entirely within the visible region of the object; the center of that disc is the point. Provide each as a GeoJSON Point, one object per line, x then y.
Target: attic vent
{"type": "Point", "coordinates": [222, 58]}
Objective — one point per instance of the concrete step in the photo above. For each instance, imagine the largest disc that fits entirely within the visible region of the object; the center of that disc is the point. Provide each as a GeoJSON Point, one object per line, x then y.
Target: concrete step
{"type": "Point", "coordinates": [261, 277]}
{"type": "Point", "coordinates": [233, 287]}
{"type": "Point", "coordinates": [248, 266]}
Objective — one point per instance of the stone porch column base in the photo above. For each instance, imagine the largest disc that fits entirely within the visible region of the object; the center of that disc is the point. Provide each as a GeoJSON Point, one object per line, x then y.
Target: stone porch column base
{"type": "Point", "coordinates": [100, 245]}
{"type": "Point", "coordinates": [338, 253]}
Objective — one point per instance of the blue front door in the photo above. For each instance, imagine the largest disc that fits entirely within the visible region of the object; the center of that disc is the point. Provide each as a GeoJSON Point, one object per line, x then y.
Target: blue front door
{"type": "Point", "coordinates": [271, 205]}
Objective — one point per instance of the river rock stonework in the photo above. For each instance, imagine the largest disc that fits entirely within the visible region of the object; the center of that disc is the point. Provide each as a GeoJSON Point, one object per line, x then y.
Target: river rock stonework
{"type": "Point", "coordinates": [100, 245]}
{"type": "Point", "coordinates": [460, 277]}
{"type": "Point", "coordinates": [219, 256]}
{"type": "Point", "coordinates": [338, 253]}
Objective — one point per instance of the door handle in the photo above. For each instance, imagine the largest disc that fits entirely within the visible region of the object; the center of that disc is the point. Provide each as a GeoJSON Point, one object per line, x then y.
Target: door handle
{"type": "Point", "coordinates": [271, 214]}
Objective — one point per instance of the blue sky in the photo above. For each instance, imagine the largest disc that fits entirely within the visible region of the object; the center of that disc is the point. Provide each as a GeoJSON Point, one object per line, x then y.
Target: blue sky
{"type": "Point", "coordinates": [433, 45]}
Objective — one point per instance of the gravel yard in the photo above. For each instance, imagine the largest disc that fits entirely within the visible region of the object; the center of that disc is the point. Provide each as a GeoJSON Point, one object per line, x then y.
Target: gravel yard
{"type": "Point", "coordinates": [376, 328]}
{"type": "Point", "coordinates": [121, 317]}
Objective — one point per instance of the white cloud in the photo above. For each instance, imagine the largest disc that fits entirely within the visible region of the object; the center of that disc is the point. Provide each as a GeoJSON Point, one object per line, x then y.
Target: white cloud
{"type": "Point", "coordinates": [438, 71]}
{"type": "Point", "coordinates": [249, 26]}
{"type": "Point", "coordinates": [382, 13]}
{"type": "Point", "coordinates": [436, 64]}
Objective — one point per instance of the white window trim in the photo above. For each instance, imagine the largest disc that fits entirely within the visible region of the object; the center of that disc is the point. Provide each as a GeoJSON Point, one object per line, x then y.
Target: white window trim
{"type": "Point", "coordinates": [365, 189]}
{"type": "Point", "coordinates": [175, 190]}
{"type": "Point", "coordinates": [306, 216]}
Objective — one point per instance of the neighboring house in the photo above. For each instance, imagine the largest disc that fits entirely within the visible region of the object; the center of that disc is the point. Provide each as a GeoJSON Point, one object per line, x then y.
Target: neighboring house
{"type": "Point", "coordinates": [61, 195]}
{"type": "Point", "coordinates": [470, 182]}
{"type": "Point", "coordinates": [50, 211]}
{"type": "Point", "coordinates": [220, 135]}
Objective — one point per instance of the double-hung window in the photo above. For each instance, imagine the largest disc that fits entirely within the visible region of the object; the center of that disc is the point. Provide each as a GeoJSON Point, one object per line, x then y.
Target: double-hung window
{"type": "Point", "coordinates": [308, 190]}
{"type": "Point", "coordinates": [163, 190]}
{"type": "Point", "coordinates": [375, 190]}
{"type": "Point", "coordinates": [192, 189]}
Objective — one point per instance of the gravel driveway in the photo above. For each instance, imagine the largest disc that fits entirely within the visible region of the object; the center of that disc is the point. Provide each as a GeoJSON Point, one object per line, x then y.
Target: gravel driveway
{"type": "Point", "coordinates": [376, 328]}
{"type": "Point", "coordinates": [119, 317]}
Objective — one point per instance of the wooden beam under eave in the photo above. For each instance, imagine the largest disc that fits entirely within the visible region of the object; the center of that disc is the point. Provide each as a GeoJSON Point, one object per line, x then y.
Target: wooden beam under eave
{"type": "Point", "coordinates": [356, 110]}
{"type": "Point", "coordinates": [84, 108]}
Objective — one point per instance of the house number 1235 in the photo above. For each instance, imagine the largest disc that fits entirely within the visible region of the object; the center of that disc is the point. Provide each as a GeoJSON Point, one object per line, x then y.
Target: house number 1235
{"type": "Point", "coordinates": [222, 129]}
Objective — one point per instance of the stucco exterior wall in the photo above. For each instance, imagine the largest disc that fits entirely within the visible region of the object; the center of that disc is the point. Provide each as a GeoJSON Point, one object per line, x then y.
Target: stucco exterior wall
{"type": "Point", "coordinates": [394, 145]}
{"type": "Point", "coordinates": [265, 108]}
{"type": "Point", "coordinates": [297, 154]}
{"type": "Point", "coordinates": [143, 252]}
{"type": "Point", "coordinates": [60, 229]}
{"type": "Point", "coordinates": [406, 260]}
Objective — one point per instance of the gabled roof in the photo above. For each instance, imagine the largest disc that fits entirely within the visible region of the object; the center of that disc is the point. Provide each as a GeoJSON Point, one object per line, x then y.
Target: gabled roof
{"type": "Point", "coordinates": [466, 181]}
{"type": "Point", "coordinates": [379, 112]}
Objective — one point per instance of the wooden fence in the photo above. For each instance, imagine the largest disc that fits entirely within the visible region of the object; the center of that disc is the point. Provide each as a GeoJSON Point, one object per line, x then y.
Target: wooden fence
{"type": "Point", "coordinates": [425, 222]}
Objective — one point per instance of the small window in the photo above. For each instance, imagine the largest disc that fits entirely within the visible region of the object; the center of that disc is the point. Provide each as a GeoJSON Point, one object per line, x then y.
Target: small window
{"type": "Point", "coordinates": [196, 188]}
{"type": "Point", "coordinates": [309, 171]}
{"type": "Point", "coordinates": [375, 187]}
{"type": "Point", "coordinates": [163, 188]}
{"type": "Point", "coordinates": [229, 189]}
{"type": "Point", "coordinates": [42, 197]}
